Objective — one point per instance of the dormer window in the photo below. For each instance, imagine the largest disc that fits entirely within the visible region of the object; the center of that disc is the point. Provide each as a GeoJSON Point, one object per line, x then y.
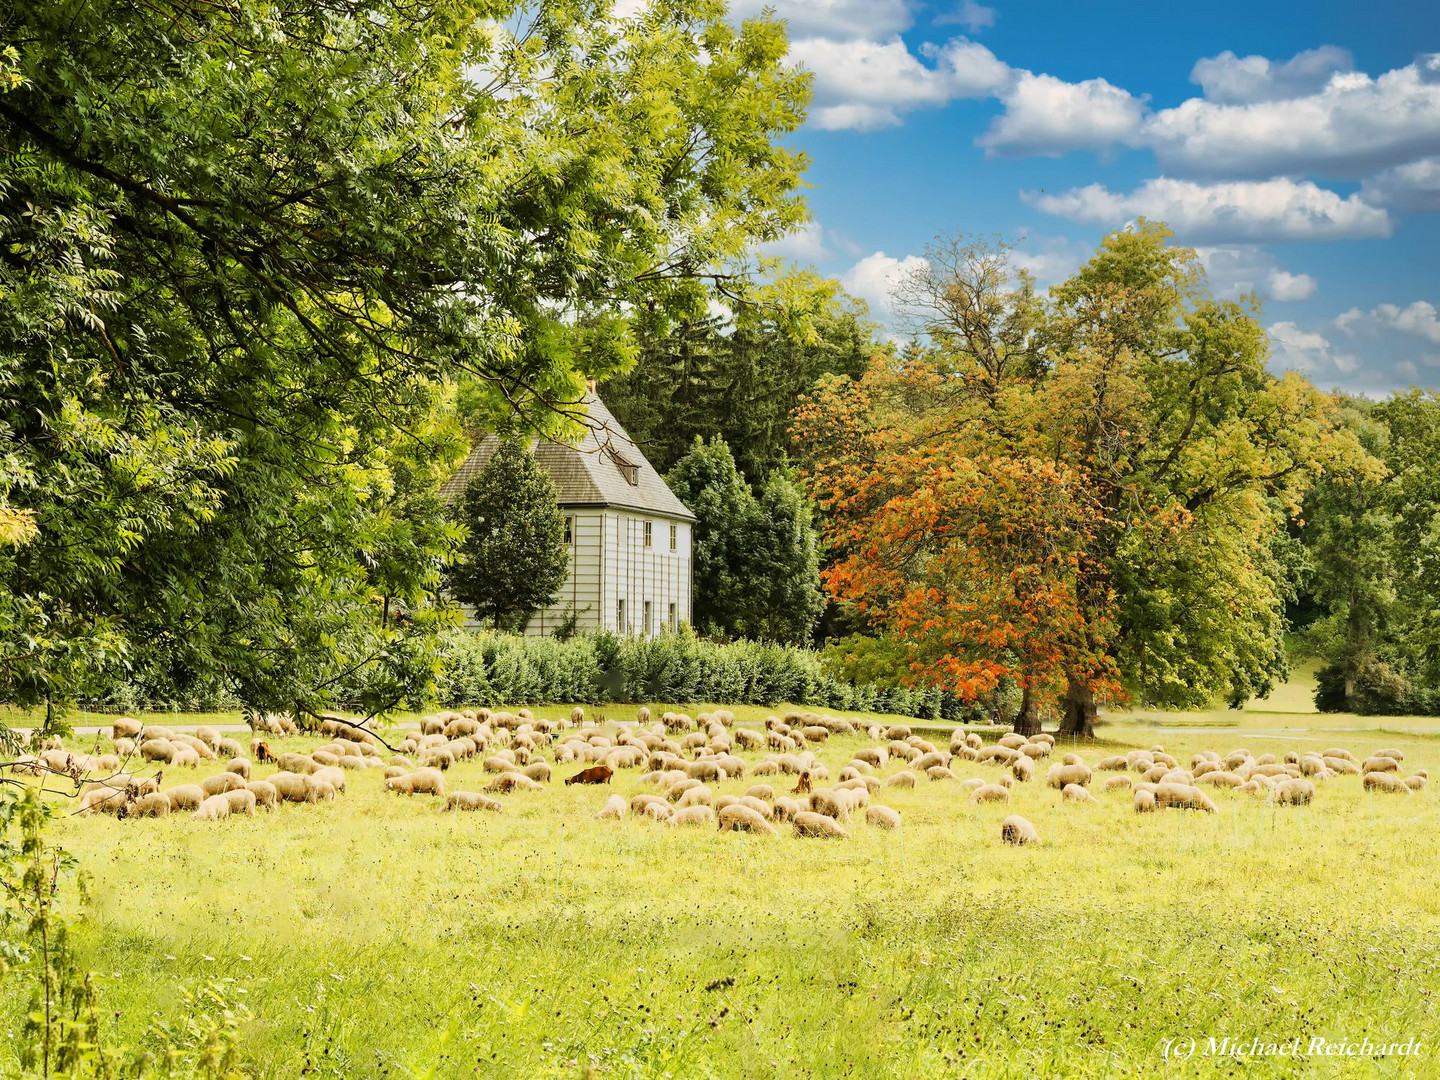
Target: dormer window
{"type": "Point", "coordinates": [628, 468]}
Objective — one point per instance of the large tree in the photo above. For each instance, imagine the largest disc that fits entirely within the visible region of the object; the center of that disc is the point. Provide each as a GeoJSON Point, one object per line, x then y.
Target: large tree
{"type": "Point", "coordinates": [740, 375]}
{"type": "Point", "coordinates": [756, 559]}
{"type": "Point", "coordinates": [513, 559]}
{"type": "Point", "coordinates": [1174, 459]}
{"type": "Point", "coordinates": [249, 250]}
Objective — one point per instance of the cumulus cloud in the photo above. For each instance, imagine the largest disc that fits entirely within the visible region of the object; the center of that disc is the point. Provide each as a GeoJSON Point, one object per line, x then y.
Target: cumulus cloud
{"type": "Point", "coordinates": [1414, 186]}
{"type": "Point", "coordinates": [1311, 353]}
{"type": "Point", "coordinates": [1419, 319]}
{"type": "Point", "coordinates": [1252, 211]}
{"type": "Point", "coordinates": [1351, 127]}
{"type": "Point", "coordinates": [1238, 270]}
{"type": "Point", "coordinates": [971, 15]}
{"type": "Point", "coordinates": [866, 85]}
{"type": "Point", "coordinates": [805, 244]}
{"type": "Point", "coordinates": [833, 18]}
{"type": "Point", "coordinates": [874, 279]}
{"type": "Point", "coordinates": [1049, 116]}
{"type": "Point", "coordinates": [1237, 80]}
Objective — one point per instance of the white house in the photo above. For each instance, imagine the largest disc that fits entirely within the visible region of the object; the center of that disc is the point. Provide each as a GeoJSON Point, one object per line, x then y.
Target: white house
{"type": "Point", "coordinates": [630, 538]}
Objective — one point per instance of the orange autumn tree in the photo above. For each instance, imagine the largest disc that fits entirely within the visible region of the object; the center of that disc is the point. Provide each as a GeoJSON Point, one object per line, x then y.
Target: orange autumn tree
{"type": "Point", "coordinates": [1087, 491]}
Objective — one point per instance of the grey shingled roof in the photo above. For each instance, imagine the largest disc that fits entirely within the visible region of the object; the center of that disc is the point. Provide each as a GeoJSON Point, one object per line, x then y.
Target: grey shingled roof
{"type": "Point", "coordinates": [587, 474]}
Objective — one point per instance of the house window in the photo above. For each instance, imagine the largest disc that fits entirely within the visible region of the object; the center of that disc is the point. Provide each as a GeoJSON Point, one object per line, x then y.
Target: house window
{"type": "Point", "coordinates": [674, 533]}
{"type": "Point", "coordinates": [569, 530]}
{"type": "Point", "coordinates": [649, 628]}
{"type": "Point", "coordinates": [648, 527]}
{"type": "Point", "coordinates": [628, 468]}
{"type": "Point", "coordinates": [620, 616]}
{"type": "Point", "coordinates": [673, 624]}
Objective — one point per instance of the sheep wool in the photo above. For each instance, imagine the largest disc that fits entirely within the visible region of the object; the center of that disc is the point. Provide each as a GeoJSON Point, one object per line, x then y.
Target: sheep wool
{"type": "Point", "coordinates": [185, 797]}
{"type": "Point", "coordinates": [1116, 783]}
{"type": "Point", "coordinates": [1145, 801]}
{"type": "Point", "coordinates": [1294, 792]}
{"type": "Point", "coordinates": [990, 793]}
{"type": "Point", "coordinates": [905, 778]}
{"type": "Point", "coordinates": [470, 800]}
{"type": "Point", "coordinates": [807, 823]}
{"type": "Point", "coordinates": [1018, 830]}
{"type": "Point", "coordinates": [421, 782]}
{"type": "Point", "coordinates": [265, 794]}
{"type": "Point", "coordinates": [156, 804]}
{"type": "Point", "coordinates": [1075, 793]}
{"type": "Point", "coordinates": [221, 783]}
{"type": "Point", "coordinates": [1071, 773]}
{"type": "Point", "coordinates": [214, 808]}
{"type": "Point", "coordinates": [740, 818]}
{"type": "Point", "coordinates": [882, 817]}
{"type": "Point", "coordinates": [242, 801]}
{"type": "Point", "coordinates": [239, 766]}
{"type": "Point", "coordinates": [1385, 781]}
{"type": "Point", "coordinates": [692, 815]}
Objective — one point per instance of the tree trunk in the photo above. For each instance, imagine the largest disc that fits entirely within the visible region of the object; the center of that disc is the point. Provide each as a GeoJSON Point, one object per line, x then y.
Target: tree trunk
{"type": "Point", "coordinates": [1079, 719]}
{"type": "Point", "coordinates": [1027, 720]}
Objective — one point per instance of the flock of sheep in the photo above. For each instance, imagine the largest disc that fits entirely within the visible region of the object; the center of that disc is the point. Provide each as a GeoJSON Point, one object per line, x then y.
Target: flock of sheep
{"type": "Point", "coordinates": [677, 759]}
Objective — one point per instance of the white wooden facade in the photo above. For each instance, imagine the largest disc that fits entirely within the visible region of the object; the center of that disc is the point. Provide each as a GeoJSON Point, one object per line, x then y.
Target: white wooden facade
{"type": "Point", "coordinates": [617, 581]}
{"type": "Point", "coordinates": [631, 540]}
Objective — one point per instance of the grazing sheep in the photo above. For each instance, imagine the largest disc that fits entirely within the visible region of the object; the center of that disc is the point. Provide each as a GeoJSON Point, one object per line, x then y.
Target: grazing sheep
{"type": "Point", "coordinates": [242, 801]}
{"type": "Point", "coordinates": [990, 793]}
{"type": "Point", "coordinates": [741, 818]}
{"type": "Point", "coordinates": [1069, 773]}
{"type": "Point", "coordinates": [214, 808]}
{"type": "Point", "coordinates": [1343, 755]}
{"type": "Point", "coordinates": [1155, 773]}
{"type": "Point", "coordinates": [596, 774]}
{"type": "Point", "coordinates": [1385, 781]}
{"type": "Point", "coordinates": [658, 811]}
{"type": "Point", "coordinates": [155, 804]}
{"type": "Point", "coordinates": [1220, 779]}
{"type": "Point", "coordinates": [1114, 763]}
{"type": "Point", "coordinates": [110, 800]}
{"type": "Point", "coordinates": [1340, 765]}
{"type": "Point", "coordinates": [1116, 783]}
{"type": "Point", "coordinates": [296, 763]}
{"type": "Point", "coordinates": [422, 781]}
{"type": "Point", "coordinates": [825, 802]}
{"type": "Point", "coordinates": [221, 783]}
{"type": "Point", "coordinates": [1183, 797]}
{"type": "Point", "coordinates": [231, 748]}
{"type": "Point", "coordinates": [157, 750]}
{"type": "Point", "coordinates": [1414, 783]}
{"type": "Point", "coordinates": [807, 823]}
{"type": "Point", "coordinates": [1075, 793]}
{"type": "Point", "coordinates": [265, 794]}
{"type": "Point", "coordinates": [1018, 831]}
{"type": "Point", "coordinates": [897, 731]}
{"type": "Point", "coordinates": [473, 800]}
{"type": "Point", "coordinates": [510, 781]}
{"type": "Point", "coordinates": [126, 727]}
{"type": "Point", "coordinates": [1145, 801]}
{"type": "Point", "coordinates": [761, 791]}
{"type": "Point", "coordinates": [239, 766]}
{"type": "Point", "coordinates": [185, 797]}
{"type": "Point", "coordinates": [1023, 769]}
{"type": "Point", "coordinates": [939, 772]}
{"type": "Point", "coordinates": [786, 808]}
{"type": "Point", "coordinates": [692, 815]}
{"type": "Point", "coordinates": [876, 756]}
{"type": "Point", "coordinates": [699, 795]}
{"type": "Point", "coordinates": [1294, 792]}
{"type": "Point", "coordinates": [882, 817]}
{"type": "Point", "coordinates": [209, 736]}
{"type": "Point", "coordinates": [539, 772]}
{"type": "Point", "coordinates": [1397, 755]}
{"type": "Point", "coordinates": [1378, 763]}
{"type": "Point", "coordinates": [901, 779]}
{"type": "Point", "coordinates": [331, 775]}
{"type": "Point", "coordinates": [615, 807]}
{"type": "Point", "coordinates": [639, 802]}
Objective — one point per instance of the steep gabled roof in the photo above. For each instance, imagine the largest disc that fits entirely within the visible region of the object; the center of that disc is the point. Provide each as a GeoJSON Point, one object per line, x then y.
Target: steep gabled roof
{"type": "Point", "coordinates": [595, 473]}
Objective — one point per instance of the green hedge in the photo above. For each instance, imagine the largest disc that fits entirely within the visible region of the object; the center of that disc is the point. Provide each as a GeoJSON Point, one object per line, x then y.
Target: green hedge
{"type": "Point", "coordinates": [485, 668]}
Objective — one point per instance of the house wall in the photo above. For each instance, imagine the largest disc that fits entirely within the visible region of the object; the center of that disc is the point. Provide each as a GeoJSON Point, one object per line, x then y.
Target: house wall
{"type": "Point", "coordinates": [609, 561]}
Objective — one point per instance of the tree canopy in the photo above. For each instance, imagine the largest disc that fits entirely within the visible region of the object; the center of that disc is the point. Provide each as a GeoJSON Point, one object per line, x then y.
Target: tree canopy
{"type": "Point", "coordinates": [251, 253]}
{"type": "Point", "coordinates": [1087, 492]}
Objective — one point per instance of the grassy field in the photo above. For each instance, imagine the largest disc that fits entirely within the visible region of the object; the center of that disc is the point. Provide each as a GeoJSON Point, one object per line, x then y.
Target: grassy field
{"type": "Point", "coordinates": [374, 936]}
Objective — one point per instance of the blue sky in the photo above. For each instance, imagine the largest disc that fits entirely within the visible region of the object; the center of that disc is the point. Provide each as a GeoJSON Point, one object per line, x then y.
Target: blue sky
{"type": "Point", "coordinates": [1296, 145]}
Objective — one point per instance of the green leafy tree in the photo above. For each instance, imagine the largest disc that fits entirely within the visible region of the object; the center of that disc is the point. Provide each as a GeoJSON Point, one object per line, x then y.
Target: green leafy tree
{"type": "Point", "coordinates": [513, 560]}
{"type": "Point", "coordinates": [251, 254]}
{"type": "Point", "coordinates": [741, 377]}
{"type": "Point", "coordinates": [756, 559]}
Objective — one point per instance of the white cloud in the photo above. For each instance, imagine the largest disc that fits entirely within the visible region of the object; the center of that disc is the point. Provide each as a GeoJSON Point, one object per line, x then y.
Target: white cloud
{"type": "Point", "coordinates": [833, 18]}
{"type": "Point", "coordinates": [1046, 115]}
{"type": "Point", "coordinates": [1049, 259]}
{"type": "Point", "coordinates": [1235, 80]}
{"type": "Point", "coordinates": [1351, 127]}
{"type": "Point", "coordinates": [971, 15]}
{"type": "Point", "coordinates": [1236, 270]}
{"type": "Point", "coordinates": [1419, 319]}
{"type": "Point", "coordinates": [1238, 211]}
{"type": "Point", "coordinates": [875, 277]}
{"type": "Point", "coordinates": [805, 244]}
{"type": "Point", "coordinates": [1413, 186]}
{"type": "Point", "coordinates": [1310, 353]}
{"type": "Point", "coordinates": [866, 85]}
{"type": "Point", "coordinates": [1285, 286]}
